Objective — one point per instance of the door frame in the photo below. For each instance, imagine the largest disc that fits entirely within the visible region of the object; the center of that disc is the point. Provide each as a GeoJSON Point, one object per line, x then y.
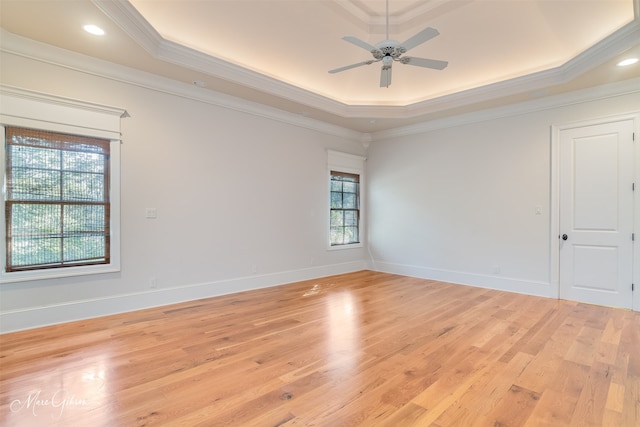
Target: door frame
{"type": "Point", "coordinates": [554, 202]}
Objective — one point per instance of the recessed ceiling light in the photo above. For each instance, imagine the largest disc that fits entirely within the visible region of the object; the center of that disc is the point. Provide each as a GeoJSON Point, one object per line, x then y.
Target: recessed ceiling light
{"type": "Point", "coordinates": [94, 29]}
{"type": "Point", "coordinates": [628, 61]}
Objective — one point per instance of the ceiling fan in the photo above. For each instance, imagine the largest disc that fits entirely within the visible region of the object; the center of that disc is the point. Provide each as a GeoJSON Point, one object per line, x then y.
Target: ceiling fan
{"type": "Point", "coordinates": [389, 51]}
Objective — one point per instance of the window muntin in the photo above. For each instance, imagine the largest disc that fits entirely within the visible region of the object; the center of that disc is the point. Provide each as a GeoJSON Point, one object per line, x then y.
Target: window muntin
{"type": "Point", "coordinates": [57, 208]}
{"type": "Point", "coordinates": [345, 209]}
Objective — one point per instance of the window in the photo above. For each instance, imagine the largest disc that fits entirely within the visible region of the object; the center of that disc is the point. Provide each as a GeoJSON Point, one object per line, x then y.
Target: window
{"type": "Point", "coordinates": [345, 224]}
{"type": "Point", "coordinates": [57, 209]}
{"type": "Point", "coordinates": [61, 186]}
{"type": "Point", "coordinates": [345, 208]}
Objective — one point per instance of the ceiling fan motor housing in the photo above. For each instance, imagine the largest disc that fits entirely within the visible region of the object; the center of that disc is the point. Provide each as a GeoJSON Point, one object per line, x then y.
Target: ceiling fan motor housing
{"type": "Point", "coordinates": [388, 48]}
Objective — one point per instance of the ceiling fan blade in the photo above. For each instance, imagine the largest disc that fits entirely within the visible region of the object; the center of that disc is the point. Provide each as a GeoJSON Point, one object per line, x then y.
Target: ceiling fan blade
{"type": "Point", "coordinates": [385, 76]}
{"type": "Point", "coordinates": [356, 41]}
{"type": "Point", "coordinates": [348, 67]}
{"type": "Point", "coordinates": [424, 35]}
{"type": "Point", "coordinates": [424, 62]}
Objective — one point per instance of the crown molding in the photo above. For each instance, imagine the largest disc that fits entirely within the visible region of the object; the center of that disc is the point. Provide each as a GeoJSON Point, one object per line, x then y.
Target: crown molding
{"type": "Point", "coordinates": [125, 15]}
{"type": "Point", "coordinates": [599, 53]}
{"type": "Point", "coordinates": [611, 46]}
{"type": "Point", "coordinates": [41, 52]}
{"type": "Point", "coordinates": [134, 24]}
{"type": "Point", "coordinates": [611, 90]}
{"type": "Point", "coordinates": [129, 19]}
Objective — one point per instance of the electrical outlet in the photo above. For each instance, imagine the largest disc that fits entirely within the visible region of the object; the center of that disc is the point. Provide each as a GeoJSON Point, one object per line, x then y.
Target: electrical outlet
{"type": "Point", "coordinates": [152, 283]}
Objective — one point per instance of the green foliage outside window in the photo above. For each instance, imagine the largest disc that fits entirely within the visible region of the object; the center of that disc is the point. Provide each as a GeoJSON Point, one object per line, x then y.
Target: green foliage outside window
{"type": "Point", "coordinates": [57, 200]}
{"type": "Point", "coordinates": [345, 208]}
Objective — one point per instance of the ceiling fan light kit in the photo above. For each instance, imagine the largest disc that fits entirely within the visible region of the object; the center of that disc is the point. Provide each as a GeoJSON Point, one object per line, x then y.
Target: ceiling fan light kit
{"type": "Point", "coordinates": [389, 51]}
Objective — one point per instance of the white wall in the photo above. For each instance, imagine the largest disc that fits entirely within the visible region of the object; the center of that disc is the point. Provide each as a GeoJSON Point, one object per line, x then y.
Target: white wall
{"type": "Point", "coordinates": [458, 202]}
{"type": "Point", "coordinates": [241, 199]}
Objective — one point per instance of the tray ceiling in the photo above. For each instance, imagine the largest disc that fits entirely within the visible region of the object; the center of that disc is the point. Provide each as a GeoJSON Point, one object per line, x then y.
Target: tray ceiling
{"type": "Point", "coordinates": [279, 52]}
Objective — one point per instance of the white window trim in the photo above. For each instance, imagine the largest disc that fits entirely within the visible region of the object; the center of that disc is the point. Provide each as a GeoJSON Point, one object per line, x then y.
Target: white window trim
{"type": "Point", "coordinates": [24, 108]}
{"type": "Point", "coordinates": [347, 163]}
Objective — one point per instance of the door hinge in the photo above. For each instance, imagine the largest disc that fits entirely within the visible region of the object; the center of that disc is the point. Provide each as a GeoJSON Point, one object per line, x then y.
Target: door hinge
{"type": "Point", "coordinates": [633, 237]}
{"type": "Point", "coordinates": [633, 287]}
{"type": "Point", "coordinates": [633, 186]}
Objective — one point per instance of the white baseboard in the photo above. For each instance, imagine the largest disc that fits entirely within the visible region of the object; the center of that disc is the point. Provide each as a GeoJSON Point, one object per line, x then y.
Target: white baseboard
{"type": "Point", "coordinates": [508, 284]}
{"type": "Point", "coordinates": [17, 320]}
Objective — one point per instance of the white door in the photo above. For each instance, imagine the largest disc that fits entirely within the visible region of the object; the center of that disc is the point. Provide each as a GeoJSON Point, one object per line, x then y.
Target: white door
{"type": "Point", "coordinates": [596, 213]}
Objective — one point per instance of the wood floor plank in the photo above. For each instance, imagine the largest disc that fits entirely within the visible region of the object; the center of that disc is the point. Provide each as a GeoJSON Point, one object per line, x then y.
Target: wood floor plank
{"type": "Point", "coordinates": [590, 408]}
{"type": "Point", "coordinates": [515, 408]}
{"type": "Point", "coordinates": [615, 398]}
{"type": "Point", "coordinates": [359, 349]}
{"type": "Point", "coordinates": [476, 402]}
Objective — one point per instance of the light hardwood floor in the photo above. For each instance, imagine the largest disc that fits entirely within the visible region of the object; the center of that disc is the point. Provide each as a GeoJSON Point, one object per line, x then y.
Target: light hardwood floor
{"type": "Point", "coordinates": [361, 349]}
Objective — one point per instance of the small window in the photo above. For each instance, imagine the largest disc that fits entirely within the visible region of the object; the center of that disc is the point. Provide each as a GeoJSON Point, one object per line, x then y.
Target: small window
{"type": "Point", "coordinates": [345, 209]}
{"type": "Point", "coordinates": [57, 208]}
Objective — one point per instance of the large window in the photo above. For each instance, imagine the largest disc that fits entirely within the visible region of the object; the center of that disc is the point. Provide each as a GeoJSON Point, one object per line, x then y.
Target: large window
{"type": "Point", "coordinates": [61, 186]}
{"type": "Point", "coordinates": [345, 208]}
{"type": "Point", "coordinates": [57, 209]}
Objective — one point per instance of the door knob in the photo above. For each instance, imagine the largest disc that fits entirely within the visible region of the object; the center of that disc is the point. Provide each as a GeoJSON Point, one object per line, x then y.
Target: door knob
{"type": "Point", "coordinates": [565, 237]}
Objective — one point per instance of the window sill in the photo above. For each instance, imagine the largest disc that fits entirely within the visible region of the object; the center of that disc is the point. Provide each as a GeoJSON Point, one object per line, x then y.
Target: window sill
{"type": "Point", "coordinates": [24, 276]}
{"type": "Point", "coordinates": [341, 247]}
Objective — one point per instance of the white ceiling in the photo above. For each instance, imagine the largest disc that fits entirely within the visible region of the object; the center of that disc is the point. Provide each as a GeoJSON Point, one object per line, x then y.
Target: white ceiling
{"type": "Point", "coordinates": [279, 52]}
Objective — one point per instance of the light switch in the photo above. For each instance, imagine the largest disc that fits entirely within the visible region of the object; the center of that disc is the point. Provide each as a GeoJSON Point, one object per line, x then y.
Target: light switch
{"type": "Point", "coordinates": [151, 213]}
